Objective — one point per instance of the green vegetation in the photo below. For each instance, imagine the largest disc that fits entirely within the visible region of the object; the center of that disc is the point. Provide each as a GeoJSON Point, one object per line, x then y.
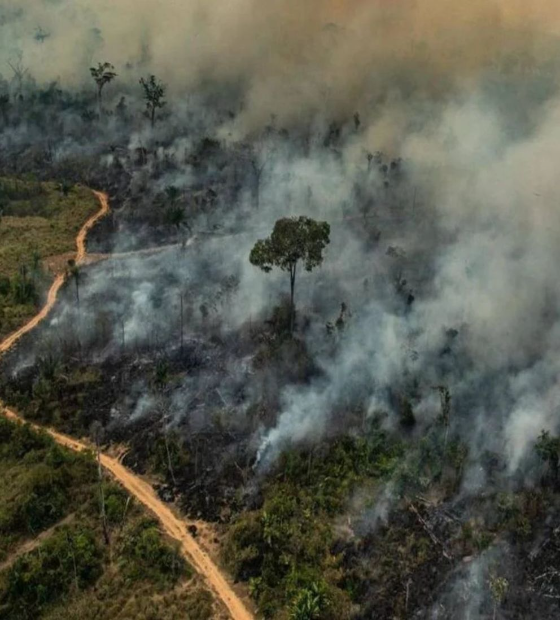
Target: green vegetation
{"type": "Point", "coordinates": [154, 96]}
{"type": "Point", "coordinates": [38, 221]}
{"type": "Point", "coordinates": [301, 553]}
{"type": "Point", "coordinates": [103, 74]}
{"type": "Point", "coordinates": [58, 395]}
{"type": "Point", "coordinates": [548, 449]}
{"type": "Point", "coordinates": [41, 483]}
{"type": "Point", "coordinates": [294, 240]}
{"type": "Point", "coordinates": [69, 571]}
{"type": "Point", "coordinates": [284, 549]}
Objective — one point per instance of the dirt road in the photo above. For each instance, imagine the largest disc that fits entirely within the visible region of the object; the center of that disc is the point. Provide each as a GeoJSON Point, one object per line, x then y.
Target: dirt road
{"type": "Point", "coordinates": [10, 341]}
{"type": "Point", "coordinates": [173, 525]}
{"type": "Point", "coordinates": [52, 296]}
{"type": "Point", "coordinates": [81, 250]}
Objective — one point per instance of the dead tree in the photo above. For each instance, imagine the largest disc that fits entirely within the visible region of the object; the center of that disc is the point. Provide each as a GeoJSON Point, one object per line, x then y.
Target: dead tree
{"type": "Point", "coordinates": [257, 159]}
{"type": "Point", "coordinates": [20, 71]}
{"type": "Point", "coordinates": [97, 432]}
{"type": "Point", "coordinates": [70, 542]}
{"type": "Point", "coordinates": [258, 168]}
{"type": "Point", "coordinates": [445, 400]}
{"type": "Point", "coordinates": [181, 322]}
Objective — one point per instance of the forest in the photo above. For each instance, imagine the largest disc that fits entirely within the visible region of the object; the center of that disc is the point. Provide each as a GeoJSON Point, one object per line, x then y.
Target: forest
{"type": "Point", "coordinates": [293, 270]}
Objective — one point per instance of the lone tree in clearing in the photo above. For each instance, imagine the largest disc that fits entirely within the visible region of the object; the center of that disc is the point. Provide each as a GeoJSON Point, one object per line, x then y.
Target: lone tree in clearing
{"type": "Point", "coordinates": [293, 239]}
{"type": "Point", "coordinates": [102, 74]}
{"type": "Point", "coordinates": [154, 93]}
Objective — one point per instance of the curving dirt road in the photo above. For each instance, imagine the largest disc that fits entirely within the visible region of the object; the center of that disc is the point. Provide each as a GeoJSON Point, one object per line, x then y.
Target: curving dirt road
{"type": "Point", "coordinates": [81, 249]}
{"type": "Point", "coordinates": [52, 296]}
{"type": "Point", "coordinates": [173, 526]}
{"type": "Point", "coordinates": [10, 341]}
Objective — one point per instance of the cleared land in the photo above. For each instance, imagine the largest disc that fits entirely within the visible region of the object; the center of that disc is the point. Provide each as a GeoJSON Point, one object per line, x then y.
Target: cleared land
{"type": "Point", "coordinates": [39, 221]}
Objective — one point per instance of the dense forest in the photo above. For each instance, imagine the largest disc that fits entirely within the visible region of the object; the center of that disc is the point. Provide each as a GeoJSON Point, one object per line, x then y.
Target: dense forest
{"type": "Point", "coordinates": [321, 317]}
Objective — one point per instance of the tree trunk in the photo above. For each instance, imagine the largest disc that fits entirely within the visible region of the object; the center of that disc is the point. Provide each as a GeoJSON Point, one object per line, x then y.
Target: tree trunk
{"type": "Point", "coordinates": [258, 173]}
{"type": "Point", "coordinates": [182, 325]}
{"type": "Point", "coordinates": [102, 499]}
{"type": "Point", "coordinates": [169, 464]}
{"type": "Point", "coordinates": [292, 295]}
{"type": "Point", "coordinates": [70, 541]}
{"type": "Point", "coordinates": [77, 291]}
{"type": "Point", "coordinates": [167, 451]}
{"type": "Point", "coordinates": [555, 470]}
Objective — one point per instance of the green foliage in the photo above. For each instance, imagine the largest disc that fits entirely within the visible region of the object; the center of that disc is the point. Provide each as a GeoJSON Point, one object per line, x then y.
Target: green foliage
{"type": "Point", "coordinates": [432, 460]}
{"type": "Point", "coordinates": [114, 598]}
{"type": "Point", "coordinates": [292, 240]}
{"type": "Point", "coordinates": [548, 449]}
{"type": "Point", "coordinates": [23, 288]}
{"type": "Point", "coordinates": [474, 537]}
{"type": "Point", "coordinates": [284, 548]}
{"type": "Point", "coordinates": [69, 558]}
{"type": "Point", "coordinates": [42, 502]}
{"type": "Point", "coordinates": [58, 395]}
{"type": "Point", "coordinates": [18, 190]}
{"type": "Point", "coordinates": [173, 455]}
{"type": "Point", "coordinates": [146, 555]}
{"type": "Point", "coordinates": [16, 440]}
{"type": "Point", "coordinates": [116, 504]}
{"type": "Point", "coordinates": [66, 187]}
{"type": "Point", "coordinates": [161, 374]}
{"type": "Point", "coordinates": [310, 603]}
{"type": "Point", "coordinates": [154, 95]}
{"type": "Point", "coordinates": [42, 482]}
{"type": "Point", "coordinates": [43, 494]}
{"type": "Point", "coordinates": [38, 221]}
{"type": "Point", "coordinates": [173, 193]}
{"type": "Point", "coordinates": [499, 587]}
{"type": "Point", "coordinates": [175, 216]}
{"type": "Point", "coordinates": [5, 286]}
{"type": "Point", "coordinates": [519, 512]}
{"type": "Point", "coordinates": [49, 367]}
{"type": "Point", "coordinates": [103, 74]}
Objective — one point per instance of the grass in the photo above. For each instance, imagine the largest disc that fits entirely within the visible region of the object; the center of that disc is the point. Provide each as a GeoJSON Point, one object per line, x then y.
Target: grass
{"type": "Point", "coordinates": [38, 221]}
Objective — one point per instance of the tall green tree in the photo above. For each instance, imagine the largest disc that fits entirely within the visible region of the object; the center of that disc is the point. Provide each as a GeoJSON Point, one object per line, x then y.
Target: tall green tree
{"type": "Point", "coordinates": [103, 74]}
{"type": "Point", "coordinates": [154, 95]}
{"type": "Point", "coordinates": [294, 240]}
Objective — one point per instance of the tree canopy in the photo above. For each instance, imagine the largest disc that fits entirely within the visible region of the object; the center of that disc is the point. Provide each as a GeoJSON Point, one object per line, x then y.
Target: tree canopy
{"type": "Point", "coordinates": [293, 240]}
{"type": "Point", "coordinates": [102, 75]}
{"type": "Point", "coordinates": [154, 94]}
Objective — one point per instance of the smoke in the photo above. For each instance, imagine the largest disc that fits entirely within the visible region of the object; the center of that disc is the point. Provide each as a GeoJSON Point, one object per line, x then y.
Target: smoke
{"type": "Point", "coordinates": [426, 133]}
{"type": "Point", "coordinates": [493, 244]}
{"type": "Point", "coordinates": [291, 60]}
{"type": "Point", "coordinates": [464, 94]}
{"type": "Point", "coordinates": [469, 594]}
